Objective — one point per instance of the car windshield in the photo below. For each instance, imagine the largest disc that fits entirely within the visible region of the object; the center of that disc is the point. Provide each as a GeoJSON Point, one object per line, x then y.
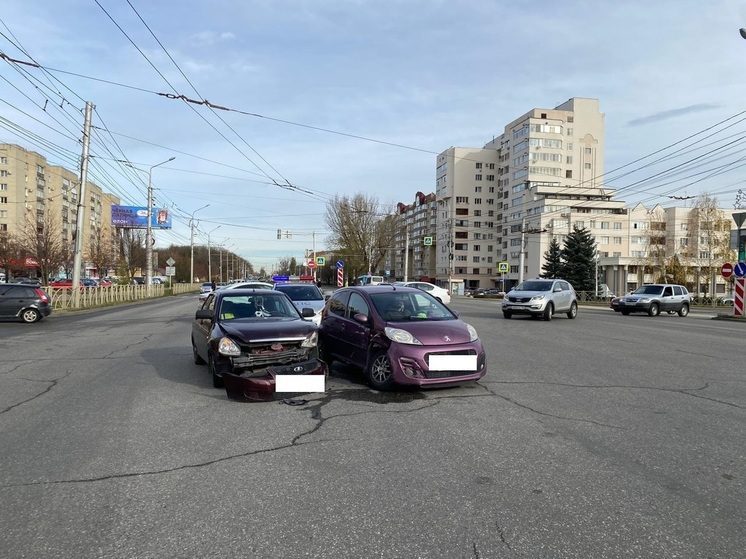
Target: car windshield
{"type": "Point", "coordinates": [396, 306]}
{"type": "Point", "coordinates": [255, 307]}
{"type": "Point", "coordinates": [535, 286]}
{"type": "Point", "coordinates": [301, 292]}
{"type": "Point", "coordinates": [649, 290]}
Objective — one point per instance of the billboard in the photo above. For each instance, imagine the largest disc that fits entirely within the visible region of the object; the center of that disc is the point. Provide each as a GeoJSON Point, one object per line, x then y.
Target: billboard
{"type": "Point", "coordinates": [136, 217]}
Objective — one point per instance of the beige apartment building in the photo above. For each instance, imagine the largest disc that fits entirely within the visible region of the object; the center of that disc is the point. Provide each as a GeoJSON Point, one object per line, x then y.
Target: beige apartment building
{"type": "Point", "coordinates": [417, 233]}
{"type": "Point", "coordinates": [35, 194]}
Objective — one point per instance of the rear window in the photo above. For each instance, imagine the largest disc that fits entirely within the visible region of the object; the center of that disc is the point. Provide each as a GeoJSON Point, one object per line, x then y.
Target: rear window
{"type": "Point", "coordinates": [301, 292]}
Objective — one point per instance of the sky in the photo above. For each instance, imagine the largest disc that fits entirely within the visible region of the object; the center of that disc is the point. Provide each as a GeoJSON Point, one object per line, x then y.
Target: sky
{"type": "Point", "coordinates": [422, 74]}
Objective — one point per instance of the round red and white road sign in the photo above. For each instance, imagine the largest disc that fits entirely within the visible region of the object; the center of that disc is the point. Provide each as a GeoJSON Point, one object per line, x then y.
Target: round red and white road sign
{"type": "Point", "coordinates": [311, 264]}
{"type": "Point", "coordinates": [727, 270]}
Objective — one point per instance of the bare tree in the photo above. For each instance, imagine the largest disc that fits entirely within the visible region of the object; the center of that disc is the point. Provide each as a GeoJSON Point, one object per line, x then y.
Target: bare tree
{"type": "Point", "coordinates": [9, 251]}
{"type": "Point", "coordinates": [100, 252]}
{"type": "Point", "coordinates": [42, 241]}
{"type": "Point", "coordinates": [709, 244]}
{"type": "Point", "coordinates": [132, 243]}
{"type": "Point", "coordinates": [360, 233]}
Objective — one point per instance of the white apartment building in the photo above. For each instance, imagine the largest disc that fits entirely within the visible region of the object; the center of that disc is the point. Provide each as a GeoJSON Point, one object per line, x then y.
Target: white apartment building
{"type": "Point", "coordinates": [467, 220]}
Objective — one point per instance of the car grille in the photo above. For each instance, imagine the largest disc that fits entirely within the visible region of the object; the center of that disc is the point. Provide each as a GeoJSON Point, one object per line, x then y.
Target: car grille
{"type": "Point", "coordinates": [446, 374]}
{"type": "Point", "coordinates": [262, 355]}
{"type": "Point", "coordinates": [519, 299]}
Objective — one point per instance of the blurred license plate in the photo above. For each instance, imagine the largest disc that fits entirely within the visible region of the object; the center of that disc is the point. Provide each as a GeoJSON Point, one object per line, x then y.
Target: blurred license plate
{"type": "Point", "coordinates": [453, 363]}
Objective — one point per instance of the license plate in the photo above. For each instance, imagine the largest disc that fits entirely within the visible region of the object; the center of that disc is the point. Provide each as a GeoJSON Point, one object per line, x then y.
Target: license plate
{"type": "Point", "coordinates": [453, 363]}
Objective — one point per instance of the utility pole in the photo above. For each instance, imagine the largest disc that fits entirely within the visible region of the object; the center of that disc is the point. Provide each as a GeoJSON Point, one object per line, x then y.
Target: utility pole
{"type": "Point", "coordinates": [522, 258]}
{"type": "Point", "coordinates": [209, 256]}
{"type": "Point", "coordinates": [406, 253]}
{"type": "Point", "coordinates": [313, 235]}
{"type": "Point", "coordinates": [80, 219]}
{"type": "Point", "coordinates": [191, 228]}
{"type": "Point", "coordinates": [149, 228]}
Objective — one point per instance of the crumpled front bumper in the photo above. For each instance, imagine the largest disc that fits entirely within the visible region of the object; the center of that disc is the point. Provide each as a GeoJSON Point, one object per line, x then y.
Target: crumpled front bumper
{"type": "Point", "coordinates": [262, 388]}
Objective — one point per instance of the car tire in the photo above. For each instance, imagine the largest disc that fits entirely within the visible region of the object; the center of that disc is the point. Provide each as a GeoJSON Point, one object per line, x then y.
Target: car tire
{"type": "Point", "coordinates": [217, 380]}
{"type": "Point", "coordinates": [684, 310]}
{"type": "Point", "coordinates": [507, 314]}
{"type": "Point", "coordinates": [625, 313]}
{"type": "Point", "coordinates": [654, 309]}
{"type": "Point", "coordinates": [380, 375]}
{"type": "Point", "coordinates": [30, 315]}
{"type": "Point", "coordinates": [197, 359]}
{"type": "Point", "coordinates": [548, 311]}
{"type": "Point", "coordinates": [573, 312]}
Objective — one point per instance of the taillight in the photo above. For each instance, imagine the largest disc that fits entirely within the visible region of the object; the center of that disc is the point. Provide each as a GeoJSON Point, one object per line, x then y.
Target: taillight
{"type": "Point", "coordinates": [42, 295]}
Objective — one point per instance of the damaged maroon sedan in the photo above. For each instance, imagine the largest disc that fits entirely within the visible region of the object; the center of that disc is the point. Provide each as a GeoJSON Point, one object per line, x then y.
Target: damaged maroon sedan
{"type": "Point", "coordinates": [249, 336]}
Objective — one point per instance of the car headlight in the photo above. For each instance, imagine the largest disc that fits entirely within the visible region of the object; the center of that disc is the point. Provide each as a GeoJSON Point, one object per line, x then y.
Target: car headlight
{"type": "Point", "coordinates": [226, 346]}
{"type": "Point", "coordinates": [311, 340]}
{"type": "Point", "coordinates": [473, 336]}
{"type": "Point", "coordinates": [538, 298]}
{"type": "Point", "coordinates": [401, 336]}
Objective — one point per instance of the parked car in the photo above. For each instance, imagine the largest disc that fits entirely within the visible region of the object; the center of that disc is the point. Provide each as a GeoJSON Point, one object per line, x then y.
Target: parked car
{"type": "Point", "coordinates": [439, 293]}
{"type": "Point", "coordinates": [399, 336]}
{"type": "Point", "coordinates": [62, 283]}
{"type": "Point", "coordinates": [475, 292]}
{"type": "Point", "coordinates": [654, 299]}
{"type": "Point", "coordinates": [24, 302]}
{"type": "Point", "coordinates": [205, 287]}
{"type": "Point", "coordinates": [541, 298]}
{"type": "Point", "coordinates": [248, 336]}
{"type": "Point", "coordinates": [305, 295]}
{"type": "Point", "coordinates": [27, 281]}
{"type": "Point", "coordinates": [104, 282]}
{"type": "Point", "coordinates": [239, 285]}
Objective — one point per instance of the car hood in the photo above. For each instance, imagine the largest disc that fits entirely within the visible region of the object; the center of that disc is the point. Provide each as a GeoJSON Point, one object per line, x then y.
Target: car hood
{"type": "Point", "coordinates": [315, 305]}
{"type": "Point", "coordinates": [436, 332]}
{"type": "Point", "coordinates": [246, 331]}
{"type": "Point", "coordinates": [528, 294]}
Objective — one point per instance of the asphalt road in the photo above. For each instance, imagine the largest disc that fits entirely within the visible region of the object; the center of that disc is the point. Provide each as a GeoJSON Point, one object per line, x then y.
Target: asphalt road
{"type": "Point", "coordinates": [600, 437]}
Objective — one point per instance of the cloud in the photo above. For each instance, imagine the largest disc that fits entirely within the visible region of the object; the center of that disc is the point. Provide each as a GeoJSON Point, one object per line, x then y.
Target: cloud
{"type": "Point", "coordinates": [212, 37]}
{"type": "Point", "coordinates": [672, 113]}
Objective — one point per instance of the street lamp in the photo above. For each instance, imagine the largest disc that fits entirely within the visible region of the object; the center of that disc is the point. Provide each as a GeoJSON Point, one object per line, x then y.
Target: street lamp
{"type": "Point", "coordinates": [209, 258]}
{"type": "Point", "coordinates": [149, 228]}
{"type": "Point", "coordinates": [191, 229]}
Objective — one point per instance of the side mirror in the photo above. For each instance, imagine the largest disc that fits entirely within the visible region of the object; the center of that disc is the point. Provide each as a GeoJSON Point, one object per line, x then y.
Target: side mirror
{"type": "Point", "coordinates": [307, 312]}
{"type": "Point", "coordinates": [557, 289]}
{"type": "Point", "coordinates": [456, 313]}
{"type": "Point", "coordinates": [203, 314]}
{"type": "Point", "coordinates": [361, 318]}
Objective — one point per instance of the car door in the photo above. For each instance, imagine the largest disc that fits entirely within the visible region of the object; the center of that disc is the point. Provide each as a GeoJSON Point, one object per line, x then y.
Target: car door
{"type": "Point", "coordinates": [668, 302]}
{"type": "Point", "coordinates": [358, 333]}
{"type": "Point", "coordinates": [333, 325]}
{"type": "Point", "coordinates": [678, 295]}
{"type": "Point", "coordinates": [201, 328]}
{"type": "Point", "coordinates": [8, 301]}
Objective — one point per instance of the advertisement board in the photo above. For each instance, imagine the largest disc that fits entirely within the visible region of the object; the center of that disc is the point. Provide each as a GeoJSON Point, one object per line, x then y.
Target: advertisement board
{"type": "Point", "coordinates": [136, 217]}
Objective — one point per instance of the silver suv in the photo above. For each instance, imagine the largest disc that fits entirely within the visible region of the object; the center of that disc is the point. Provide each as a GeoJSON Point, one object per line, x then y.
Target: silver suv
{"type": "Point", "coordinates": [541, 297]}
{"type": "Point", "coordinates": [654, 299]}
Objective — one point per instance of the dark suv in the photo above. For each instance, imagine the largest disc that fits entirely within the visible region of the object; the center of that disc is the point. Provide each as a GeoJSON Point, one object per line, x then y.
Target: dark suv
{"type": "Point", "coordinates": [22, 301]}
{"type": "Point", "coordinates": [654, 299]}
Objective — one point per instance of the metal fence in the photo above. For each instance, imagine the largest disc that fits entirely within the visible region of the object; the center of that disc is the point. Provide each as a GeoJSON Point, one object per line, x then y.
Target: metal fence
{"type": "Point", "coordinates": [92, 297]}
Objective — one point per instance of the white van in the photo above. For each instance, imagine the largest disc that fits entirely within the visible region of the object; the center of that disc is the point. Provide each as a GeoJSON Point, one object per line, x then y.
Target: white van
{"type": "Point", "coordinates": [370, 280]}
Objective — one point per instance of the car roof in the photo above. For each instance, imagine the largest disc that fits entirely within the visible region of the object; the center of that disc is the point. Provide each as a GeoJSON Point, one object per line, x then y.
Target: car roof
{"type": "Point", "coordinates": [383, 288]}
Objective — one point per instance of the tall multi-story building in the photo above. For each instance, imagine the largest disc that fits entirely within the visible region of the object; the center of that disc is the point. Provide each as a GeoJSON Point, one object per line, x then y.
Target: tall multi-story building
{"type": "Point", "coordinates": [417, 234]}
{"type": "Point", "coordinates": [35, 195]}
{"type": "Point", "coordinates": [468, 208]}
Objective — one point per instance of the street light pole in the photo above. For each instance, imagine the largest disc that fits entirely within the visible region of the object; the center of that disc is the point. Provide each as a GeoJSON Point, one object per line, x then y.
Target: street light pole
{"type": "Point", "coordinates": [149, 228]}
{"type": "Point", "coordinates": [191, 228]}
{"type": "Point", "coordinates": [209, 256]}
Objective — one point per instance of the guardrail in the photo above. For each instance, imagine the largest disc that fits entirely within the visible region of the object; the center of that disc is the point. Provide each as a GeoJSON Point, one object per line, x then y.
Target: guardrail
{"type": "Point", "coordinates": [92, 297]}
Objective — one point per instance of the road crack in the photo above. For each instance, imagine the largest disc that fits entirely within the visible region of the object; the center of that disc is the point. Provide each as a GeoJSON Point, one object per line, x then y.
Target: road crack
{"type": "Point", "coordinates": [52, 384]}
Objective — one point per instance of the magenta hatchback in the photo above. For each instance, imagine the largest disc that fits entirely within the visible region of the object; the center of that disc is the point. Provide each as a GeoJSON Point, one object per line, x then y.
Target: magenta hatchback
{"type": "Point", "coordinates": [399, 335]}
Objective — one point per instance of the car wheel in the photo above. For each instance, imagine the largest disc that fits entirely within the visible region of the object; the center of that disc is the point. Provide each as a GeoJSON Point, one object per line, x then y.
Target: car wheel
{"type": "Point", "coordinates": [380, 373]}
{"type": "Point", "coordinates": [30, 315]}
{"type": "Point", "coordinates": [217, 380]}
{"type": "Point", "coordinates": [548, 311]}
{"type": "Point", "coordinates": [573, 312]}
{"type": "Point", "coordinates": [654, 310]}
{"type": "Point", "coordinates": [684, 310]}
{"type": "Point", "coordinates": [507, 314]}
{"type": "Point", "coordinates": [625, 313]}
{"type": "Point", "coordinates": [197, 359]}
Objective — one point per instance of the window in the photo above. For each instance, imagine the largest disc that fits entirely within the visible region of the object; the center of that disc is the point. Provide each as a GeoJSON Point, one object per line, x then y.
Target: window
{"type": "Point", "coordinates": [617, 225]}
{"type": "Point", "coordinates": [338, 304]}
{"type": "Point", "coordinates": [477, 248]}
{"type": "Point", "coordinates": [462, 211]}
{"type": "Point", "coordinates": [684, 226]}
{"type": "Point", "coordinates": [492, 165]}
{"type": "Point", "coordinates": [3, 187]}
{"type": "Point", "coordinates": [568, 174]}
{"type": "Point", "coordinates": [569, 146]}
{"type": "Point", "coordinates": [490, 201]}
{"type": "Point", "coordinates": [593, 224]}
{"type": "Point", "coordinates": [617, 240]}
{"type": "Point", "coordinates": [491, 178]}
{"type": "Point", "coordinates": [489, 260]}
{"type": "Point", "coordinates": [4, 173]}
{"type": "Point", "coordinates": [683, 242]}
{"type": "Point", "coordinates": [475, 271]}
{"type": "Point", "coordinates": [570, 118]}
{"type": "Point", "coordinates": [477, 200]}
{"type": "Point", "coordinates": [515, 242]}
{"type": "Point", "coordinates": [462, 199]}
{"type": "Point", "coordinates": [3, 199]}
{"type": "Point", "coordinates": [477, 213]}
{"type": "Point", "coordinates": [604, 240]}
{"type": "Point", "coordinates": [3, 213]}
{"type": "Point", "coordinates": [477, 189]}
{"type": "Point", "coordinates": [3, 226]}
{"type": "Point", "coordinates": [4, 160]}
{"type": "Point", "coordinates": [357, 305]}
{"type": "Point", "coordinates": [704, 254]}
{"type": "Point", "coordinates": [461, 246]}
{"type": "Point", "coordinates": [568, 160]}
{"type": "Point", "coordinates": [587, 151]}
{"type": "Point", "coordinates": [475, 259]}
{"type": "Point", "coordinates": [569, 131]}
{"type": "Point", "coordinates": [677, 290]}
{"type": "Point", "coordinates": [491, 188]}
{"type": "Point", "coordinates": [587, 165]}
{"type": "Point", "coordinates": [580, 224]}
{"type": "Point", "coordinates": [514, 269]}
{"type": "Point", "coordinates": [604, 225]}
{"type": "Point", "coordinates": [478, 165]}
{"type": "Point", "coordinates": [619, 254]}
{"type": "Point", "coordinates": [477, 177]}
{"type": "Point", "coordinates": [477, 223]}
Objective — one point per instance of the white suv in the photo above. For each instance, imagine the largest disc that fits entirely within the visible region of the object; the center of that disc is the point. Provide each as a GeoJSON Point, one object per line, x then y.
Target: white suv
{"type": "Point", "coordinates": [541, 297]}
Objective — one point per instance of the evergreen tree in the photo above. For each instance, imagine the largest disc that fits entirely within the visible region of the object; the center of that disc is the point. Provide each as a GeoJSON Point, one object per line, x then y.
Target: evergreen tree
{"type": "Point", "coordinates": [553, 266]}
{"type": "Point", "coordinates": [578, 254]}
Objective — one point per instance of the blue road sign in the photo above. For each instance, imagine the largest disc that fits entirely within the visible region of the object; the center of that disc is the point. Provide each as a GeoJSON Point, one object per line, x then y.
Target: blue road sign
{"type": "Point", "coordinates": [740, 270]}
{"type": "Point", "coordinates": [340, 264]}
